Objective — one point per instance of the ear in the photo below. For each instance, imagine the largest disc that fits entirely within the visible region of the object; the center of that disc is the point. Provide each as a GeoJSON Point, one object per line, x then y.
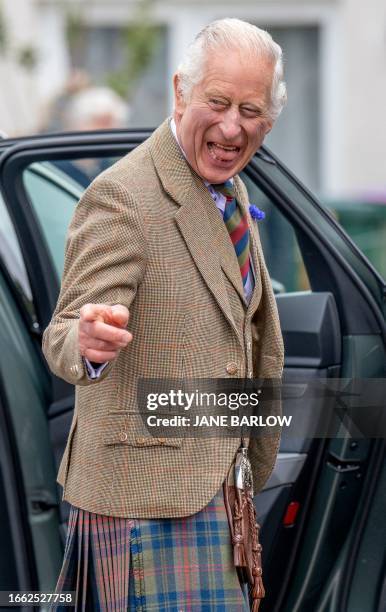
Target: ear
{"type": "Point", "coordinates": [179, 103]}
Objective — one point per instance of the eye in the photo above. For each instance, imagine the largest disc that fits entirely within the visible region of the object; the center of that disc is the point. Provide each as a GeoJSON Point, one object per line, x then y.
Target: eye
{"type": "Point", "coordinates": [251, 112]}
{"type": "Point", "coordinates": [217, 104]}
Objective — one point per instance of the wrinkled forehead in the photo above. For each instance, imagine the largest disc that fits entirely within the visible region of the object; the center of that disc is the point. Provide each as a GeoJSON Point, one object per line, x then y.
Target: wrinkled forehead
{"type": "Point", "coordinates": [238, 70]}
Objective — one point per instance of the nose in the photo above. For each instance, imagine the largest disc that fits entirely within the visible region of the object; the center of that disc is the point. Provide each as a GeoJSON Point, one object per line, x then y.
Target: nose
{"type": "Point", "coordinates": [230, 124]}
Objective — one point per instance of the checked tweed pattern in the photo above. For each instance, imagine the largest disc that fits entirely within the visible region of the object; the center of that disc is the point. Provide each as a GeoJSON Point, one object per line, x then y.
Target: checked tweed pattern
{"type": "Point", "coordinates": [147, 234]}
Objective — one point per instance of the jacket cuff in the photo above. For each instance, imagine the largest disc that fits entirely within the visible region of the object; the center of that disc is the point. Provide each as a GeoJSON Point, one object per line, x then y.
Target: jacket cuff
{"type": "Point", "coordinates": [76, 371]}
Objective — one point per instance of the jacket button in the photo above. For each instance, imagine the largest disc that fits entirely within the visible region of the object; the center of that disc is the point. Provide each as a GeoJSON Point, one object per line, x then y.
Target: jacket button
{"type": "Point", "coordinates": [162, 440]}
{"type": "Point", "coordinates": [123, 436]}
{"type": "Point", "coordinates": [74, 369]}
{"type": "Point", "coordinates": [231, 368]}
{"type": "Point", "coordinates": [140, 440]}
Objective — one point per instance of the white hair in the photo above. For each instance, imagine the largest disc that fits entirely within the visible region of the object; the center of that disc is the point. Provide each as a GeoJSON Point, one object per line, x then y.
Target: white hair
{"type": "Point", "coordinates": [233, 34]}
{"type": "Point", "coordinates": [94, 102]}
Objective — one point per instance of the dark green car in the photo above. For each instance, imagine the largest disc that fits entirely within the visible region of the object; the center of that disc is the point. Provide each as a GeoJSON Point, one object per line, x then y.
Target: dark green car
{"type": "Point", "coordinates": [323, 509]}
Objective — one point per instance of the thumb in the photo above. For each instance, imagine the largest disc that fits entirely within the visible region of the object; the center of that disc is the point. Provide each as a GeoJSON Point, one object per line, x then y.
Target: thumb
{"type": "Point", "coordinates": [119, 315]}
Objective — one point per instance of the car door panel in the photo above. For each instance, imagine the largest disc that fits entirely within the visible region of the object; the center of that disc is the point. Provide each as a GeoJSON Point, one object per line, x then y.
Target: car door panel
{"type": "Point", "coordinates": [24, 390]}
{"type": "Point", "coordinates": [286, 472]}
{"type": "Point", "coordinates": [60, 415]}
{"type": "Point", "coordinates": [311, 330]}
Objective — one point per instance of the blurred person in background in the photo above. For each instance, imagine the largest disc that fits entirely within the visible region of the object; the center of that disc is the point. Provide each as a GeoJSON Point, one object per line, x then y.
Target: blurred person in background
{"type": "Point", "coordinates": [93, 108]}
{"type": "Point", "coordinates": [54, 115]}
{"type": "Point", "coordinates": [167, 232]}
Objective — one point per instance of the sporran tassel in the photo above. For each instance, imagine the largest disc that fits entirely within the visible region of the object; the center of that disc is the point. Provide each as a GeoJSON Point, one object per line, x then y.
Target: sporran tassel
{"type": "Point", "coordinates": [258, 591]}
{"type": "Point", "coordinates": [239, 555]}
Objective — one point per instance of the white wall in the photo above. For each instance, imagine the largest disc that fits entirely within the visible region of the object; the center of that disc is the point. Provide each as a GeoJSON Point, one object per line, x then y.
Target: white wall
{"type": "Point", "coordinates": [18, 98]}
{"type": "Point", "coordinates": [363, 111]}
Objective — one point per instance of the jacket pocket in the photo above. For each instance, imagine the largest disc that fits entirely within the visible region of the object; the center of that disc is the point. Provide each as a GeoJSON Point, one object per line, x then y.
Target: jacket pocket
{"type": "Point", "coordinates": [125, 428]}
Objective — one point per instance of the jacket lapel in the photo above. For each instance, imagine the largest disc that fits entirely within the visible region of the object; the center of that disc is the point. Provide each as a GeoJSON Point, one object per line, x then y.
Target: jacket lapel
{"type": "Point", "coordinates": [197, 218]}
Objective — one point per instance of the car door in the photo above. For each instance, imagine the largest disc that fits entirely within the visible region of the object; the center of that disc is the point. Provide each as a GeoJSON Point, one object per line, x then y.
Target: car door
{"type": "Point", "coordinates": [331, 306]}
{"type": "Point", "coordinates": [311, 503]}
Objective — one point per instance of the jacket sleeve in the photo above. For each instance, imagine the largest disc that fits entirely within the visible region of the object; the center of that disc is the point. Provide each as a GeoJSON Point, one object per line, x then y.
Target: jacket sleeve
{"type": "Point", "coordinates": [105, 261]}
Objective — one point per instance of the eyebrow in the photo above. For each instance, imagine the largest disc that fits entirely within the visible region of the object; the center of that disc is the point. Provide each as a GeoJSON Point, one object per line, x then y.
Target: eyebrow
{"type": "Point", "coordinates": [252, 105]}
{"type": "Point", "coordinates": [217, 94]}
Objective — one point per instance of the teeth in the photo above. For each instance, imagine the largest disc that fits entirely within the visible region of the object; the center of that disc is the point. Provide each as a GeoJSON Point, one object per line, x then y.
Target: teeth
{"type": "Point", "coordinates": [226, 148]}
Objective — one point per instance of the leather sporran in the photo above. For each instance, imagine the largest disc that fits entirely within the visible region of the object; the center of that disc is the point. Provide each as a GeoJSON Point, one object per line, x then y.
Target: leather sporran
{"type": "Point", "coordinates": [238, 497]}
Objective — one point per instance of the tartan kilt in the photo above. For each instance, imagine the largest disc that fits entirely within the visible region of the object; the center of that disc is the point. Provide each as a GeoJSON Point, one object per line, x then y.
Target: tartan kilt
{"type": "Point", "coordinates": [151, 565]}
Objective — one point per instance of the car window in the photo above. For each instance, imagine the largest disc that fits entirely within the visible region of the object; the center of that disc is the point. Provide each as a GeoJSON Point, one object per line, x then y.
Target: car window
{"type": "Point", "coordinates": [54, 204]}
{"type": "Point", "coordinates": [365, 223]}
{"type": "Point", "coordinates": [12, 260]}
{"type": "Point", "coordinates": [54, 188]}
{"type": "Point", "coordinates": [281, 251]}
{"type": "Point", "coordinates": [299, 202]}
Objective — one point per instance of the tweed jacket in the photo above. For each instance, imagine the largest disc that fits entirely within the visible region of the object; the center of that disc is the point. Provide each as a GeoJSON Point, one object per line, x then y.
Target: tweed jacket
{"type": "Point", "coordinates": [147, 234]}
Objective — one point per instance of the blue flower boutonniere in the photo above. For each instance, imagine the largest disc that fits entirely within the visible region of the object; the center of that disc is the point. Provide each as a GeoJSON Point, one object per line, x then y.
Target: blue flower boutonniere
{"type": "Point", "coordinates": [256, 213]}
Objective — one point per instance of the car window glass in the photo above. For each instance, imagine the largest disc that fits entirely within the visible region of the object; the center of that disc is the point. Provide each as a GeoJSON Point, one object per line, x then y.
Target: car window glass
{"type": "Point", "coordinates": [12, 259]}
{"type": "Point", "coordinates": [324, 224]}
{"type": "Point", "coordinates": [365, 223]}
{"type": "Point", "coordinates": [54, 188]}
{"type": "Point", "coordinates": [281, 251]}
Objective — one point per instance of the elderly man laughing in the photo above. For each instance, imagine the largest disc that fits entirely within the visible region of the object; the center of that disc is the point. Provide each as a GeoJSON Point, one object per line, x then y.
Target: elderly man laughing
{"type": "Point", "coordinates": [166, 232]}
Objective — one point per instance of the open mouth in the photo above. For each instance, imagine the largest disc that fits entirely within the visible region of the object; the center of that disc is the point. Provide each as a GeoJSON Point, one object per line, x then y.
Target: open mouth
{"type": "Point", "coordinates": [223, 153]}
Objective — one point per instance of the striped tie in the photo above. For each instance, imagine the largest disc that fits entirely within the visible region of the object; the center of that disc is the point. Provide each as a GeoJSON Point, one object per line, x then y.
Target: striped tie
{"type": "Point", "coordinates": [237, 226]}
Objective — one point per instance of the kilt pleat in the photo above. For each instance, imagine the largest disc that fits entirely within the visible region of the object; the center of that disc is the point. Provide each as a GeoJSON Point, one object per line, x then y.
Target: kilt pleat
{"type": "Point", "coordinates": [151, 565]}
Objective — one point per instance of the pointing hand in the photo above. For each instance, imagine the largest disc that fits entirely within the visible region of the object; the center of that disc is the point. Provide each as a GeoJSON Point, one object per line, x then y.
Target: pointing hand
{"type": "Point", "coordinates": [102, 331]}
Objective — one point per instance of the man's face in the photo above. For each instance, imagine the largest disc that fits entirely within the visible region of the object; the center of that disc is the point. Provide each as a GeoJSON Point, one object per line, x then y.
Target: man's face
{"type": "Point", "coordinates": [226, 119]}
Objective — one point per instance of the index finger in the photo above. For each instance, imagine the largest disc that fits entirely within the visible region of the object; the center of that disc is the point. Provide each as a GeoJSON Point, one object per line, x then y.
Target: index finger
{"type": "Point", "coordinates": [107, 332]}
{"type": "Point", "coordinates": [95, 312]}
{"type": "Point", "coordinates": [119, 316]}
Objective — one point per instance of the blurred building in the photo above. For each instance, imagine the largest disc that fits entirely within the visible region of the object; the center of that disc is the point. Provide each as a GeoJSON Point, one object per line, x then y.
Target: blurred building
{"type": "Point", "coordinates": [331, 134]}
